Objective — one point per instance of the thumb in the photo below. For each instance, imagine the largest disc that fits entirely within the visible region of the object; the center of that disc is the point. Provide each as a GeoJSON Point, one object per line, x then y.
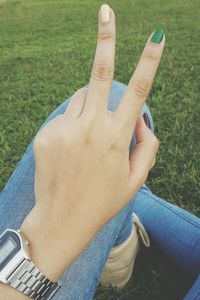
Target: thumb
{"type": "Point", "coordinates": [143, 156]}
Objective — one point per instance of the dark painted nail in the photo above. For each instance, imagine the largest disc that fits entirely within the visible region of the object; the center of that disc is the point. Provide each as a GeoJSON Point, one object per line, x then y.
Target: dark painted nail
{"type": "Point", "coordinates": [146, 120]}
{"type": "Point", "coordinates": [157, 36]}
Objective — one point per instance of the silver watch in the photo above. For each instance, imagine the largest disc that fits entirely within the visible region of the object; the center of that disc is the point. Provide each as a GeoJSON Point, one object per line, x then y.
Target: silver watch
{"type": "Point", "coordinates": [18, 271]}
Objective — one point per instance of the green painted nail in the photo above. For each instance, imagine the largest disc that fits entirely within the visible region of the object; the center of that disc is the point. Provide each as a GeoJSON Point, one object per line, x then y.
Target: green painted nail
{"type": "Point", "coordinates": [157, 36]}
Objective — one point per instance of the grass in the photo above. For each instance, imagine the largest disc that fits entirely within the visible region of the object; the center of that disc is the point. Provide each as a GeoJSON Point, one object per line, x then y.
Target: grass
{"type": "Point", "coordinates": [46, 54]}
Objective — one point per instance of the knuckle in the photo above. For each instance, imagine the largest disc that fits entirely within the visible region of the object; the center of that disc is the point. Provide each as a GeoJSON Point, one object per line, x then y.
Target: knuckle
{"type": "Point", "coordinates": [87, 128]}
{"type": "Point", "coordinates": [106, 34]}
{"type": "Point", "coordinates": [80, 92]}
{"type": "Point", "coordinates": [154, 142]}
{"type": "Point", "coordinates": [40, 143]}
{"type": "Point", "coordinates": [115, 147]}
{"type": "Point", "coordinates": [116, 144]}
{"type": "Point", "coordinates": [103, 72]}
{"type": "Point", "coordinates": [87, 138]}
{"type": "Point", "coordinates": [61, 136]}
{"type": "Point", "coordinates": [141, 87]}
{"type": "Point", "coordinates": [151, 55]}
{"type": "Point", "coordinates": [157, 143]}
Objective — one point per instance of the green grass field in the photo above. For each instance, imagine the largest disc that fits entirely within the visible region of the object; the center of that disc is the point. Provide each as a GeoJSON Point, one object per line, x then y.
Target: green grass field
{"type": "Point", "coordinates": [46, 54]}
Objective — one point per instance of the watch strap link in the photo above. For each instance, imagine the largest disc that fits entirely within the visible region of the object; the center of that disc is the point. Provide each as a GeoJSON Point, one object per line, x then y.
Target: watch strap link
{"type": "Point", "coordinates": [27, 279]}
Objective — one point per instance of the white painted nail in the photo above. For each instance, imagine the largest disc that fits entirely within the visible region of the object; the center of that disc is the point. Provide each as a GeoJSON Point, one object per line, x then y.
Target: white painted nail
{"type": "Point", "coordinates": [105, 13]}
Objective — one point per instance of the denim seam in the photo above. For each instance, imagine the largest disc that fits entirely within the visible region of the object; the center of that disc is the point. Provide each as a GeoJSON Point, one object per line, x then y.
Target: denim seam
{"type": "Point", "coordinates": [123, 223]}
{"type": "Point", "coordinates": [184, 218]}
{"type": "Point", "coordinates": [197, 294]}
{"type": "Point", "coordinates": [119, 230]}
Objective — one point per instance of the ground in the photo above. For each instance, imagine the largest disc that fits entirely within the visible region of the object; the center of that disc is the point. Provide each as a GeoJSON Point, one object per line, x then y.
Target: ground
{"type": "Point", "coordinates": [46, 54]}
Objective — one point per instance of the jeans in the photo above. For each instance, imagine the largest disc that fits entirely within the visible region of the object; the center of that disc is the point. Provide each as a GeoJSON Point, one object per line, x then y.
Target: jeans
{"type": "Point", "coordinates": [175, 231]}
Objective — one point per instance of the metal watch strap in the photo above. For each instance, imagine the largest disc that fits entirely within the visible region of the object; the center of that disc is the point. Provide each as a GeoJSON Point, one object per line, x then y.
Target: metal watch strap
{"type": "Point", "coordinates": [27, 279]}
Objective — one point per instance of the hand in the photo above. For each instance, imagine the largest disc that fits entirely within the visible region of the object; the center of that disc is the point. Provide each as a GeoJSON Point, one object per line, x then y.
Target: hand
{"type": "Point", "coordinates": [84, 174]}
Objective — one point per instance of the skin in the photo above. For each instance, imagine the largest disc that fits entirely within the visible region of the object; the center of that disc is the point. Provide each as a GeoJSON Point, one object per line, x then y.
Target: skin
{"type": "Point", "coordinates": [78, 153]}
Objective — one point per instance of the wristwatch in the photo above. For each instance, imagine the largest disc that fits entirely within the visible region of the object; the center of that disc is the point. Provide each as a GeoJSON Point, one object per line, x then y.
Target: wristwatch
{"type": "Point", "coordinates": [18, 271]}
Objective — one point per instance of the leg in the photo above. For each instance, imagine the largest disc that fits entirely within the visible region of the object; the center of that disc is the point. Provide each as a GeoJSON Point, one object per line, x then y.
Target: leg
{"type": "Point", "coordinates": [174, 230]}
{"type": "Point", "coordinates": [17, 199]}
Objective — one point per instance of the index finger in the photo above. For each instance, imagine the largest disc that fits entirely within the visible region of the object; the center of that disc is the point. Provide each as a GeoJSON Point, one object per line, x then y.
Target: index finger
{"type": "Point", "coordinates": [103, 66]}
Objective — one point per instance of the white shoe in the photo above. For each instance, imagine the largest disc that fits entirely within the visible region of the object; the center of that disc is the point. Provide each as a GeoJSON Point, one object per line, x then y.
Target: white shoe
{"type": "Point", "coordinates": [119, 266]}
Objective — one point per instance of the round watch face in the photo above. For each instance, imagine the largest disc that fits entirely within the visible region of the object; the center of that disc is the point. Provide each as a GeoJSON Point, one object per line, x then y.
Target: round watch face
{"type": "Point", "coordinates": [9, 246]}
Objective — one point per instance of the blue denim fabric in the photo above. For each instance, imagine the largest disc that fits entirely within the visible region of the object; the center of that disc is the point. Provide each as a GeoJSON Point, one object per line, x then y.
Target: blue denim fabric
{"type": "Point", "coordinates": [194, 292]}
{"type": "Point", "coordinates": [175, 231]}
{"type": "Point", "coordinates": [80, 280]}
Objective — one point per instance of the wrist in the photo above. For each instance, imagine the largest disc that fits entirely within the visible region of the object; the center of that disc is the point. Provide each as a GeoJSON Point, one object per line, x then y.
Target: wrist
{"type": "Point", "coordinates": [54, 244]}
{"type": "Point", "coordinates": [44, 245]}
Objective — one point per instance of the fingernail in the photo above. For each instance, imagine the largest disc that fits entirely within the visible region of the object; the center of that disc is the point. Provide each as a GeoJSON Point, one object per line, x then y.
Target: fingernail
{"type": "Point", "coordinates": [157, 36]}
{"type": "Point", "coordinates": [105, 13]}
{"type": "Point", "coordinates": [146, 120]}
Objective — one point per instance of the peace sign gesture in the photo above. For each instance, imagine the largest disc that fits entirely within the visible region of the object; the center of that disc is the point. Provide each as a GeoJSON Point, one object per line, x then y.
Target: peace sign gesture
{"type": "Point", "coordinates": [84, 174]}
